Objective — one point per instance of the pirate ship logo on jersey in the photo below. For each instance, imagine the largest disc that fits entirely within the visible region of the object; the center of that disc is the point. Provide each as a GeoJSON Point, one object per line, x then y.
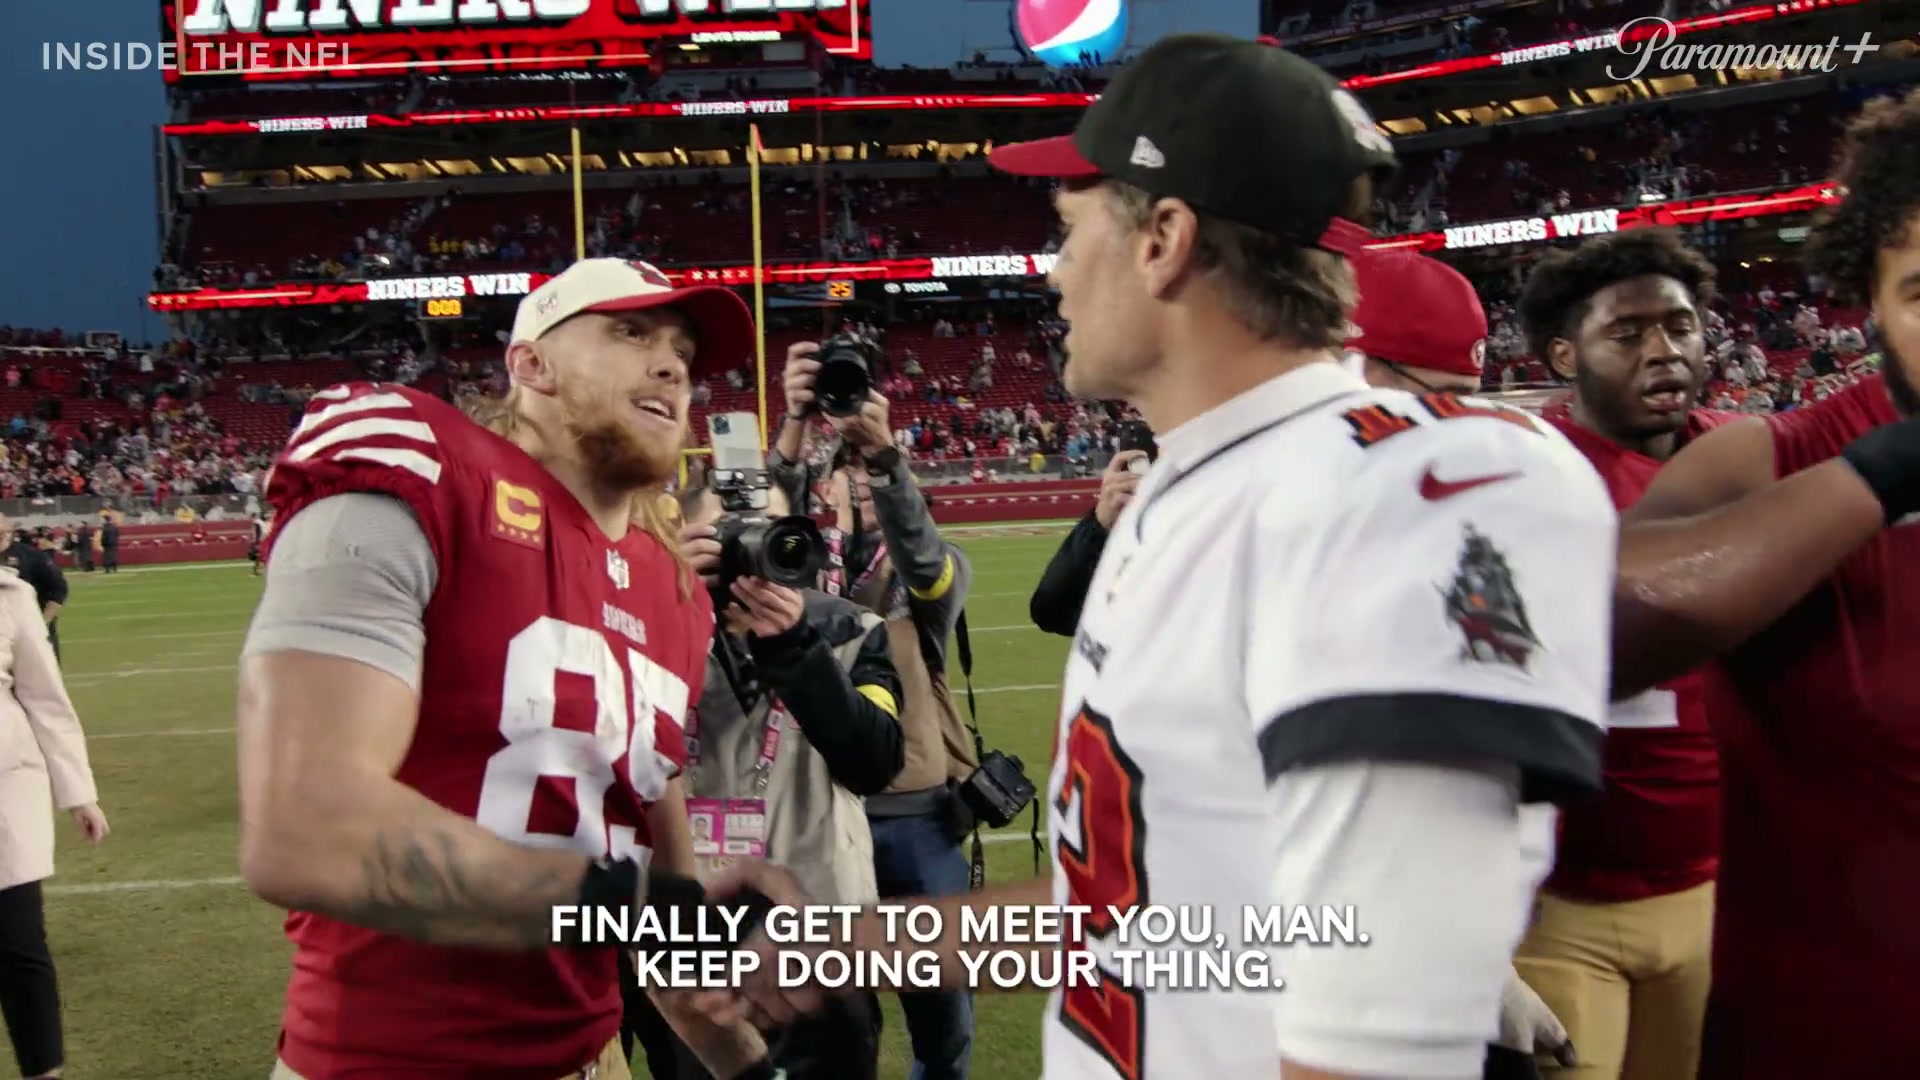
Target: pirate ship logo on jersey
{"type": "Point", "coordinates": [1483, 602]}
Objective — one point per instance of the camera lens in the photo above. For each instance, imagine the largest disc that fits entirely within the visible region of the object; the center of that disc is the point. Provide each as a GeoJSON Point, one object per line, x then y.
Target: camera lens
{"type": "Point", "coordinates": [788, 553]}
{"type": "Point", "coordinates": [843, 382]}
{"type": "Point", "coordinates": [791, 552]}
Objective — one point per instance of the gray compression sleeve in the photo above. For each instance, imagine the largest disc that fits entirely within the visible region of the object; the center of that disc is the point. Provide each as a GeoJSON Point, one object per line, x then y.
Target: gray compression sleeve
{"type": "Point", "coordinates": [350, 576]}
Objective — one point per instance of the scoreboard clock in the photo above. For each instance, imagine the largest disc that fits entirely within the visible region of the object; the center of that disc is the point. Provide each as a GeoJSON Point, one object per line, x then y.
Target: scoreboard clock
{"type": "Point", "coordinates": [449, 307]}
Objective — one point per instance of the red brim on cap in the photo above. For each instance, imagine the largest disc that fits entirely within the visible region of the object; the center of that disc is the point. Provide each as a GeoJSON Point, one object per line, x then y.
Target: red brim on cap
{"type": "Point", "coordinates": [722, 323]}
{"type": "Point", "coordinates": [1056, 157]}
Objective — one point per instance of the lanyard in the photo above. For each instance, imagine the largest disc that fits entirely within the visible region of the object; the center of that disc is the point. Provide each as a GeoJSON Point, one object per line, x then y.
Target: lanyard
{"type": "Point", "coordinates": [838, 549]}
{"type": "Point", "coordinates": [777, 719]}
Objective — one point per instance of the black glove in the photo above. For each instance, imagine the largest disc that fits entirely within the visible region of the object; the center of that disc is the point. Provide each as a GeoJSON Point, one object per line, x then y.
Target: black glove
{"type": "Point", "coordinates": [1888, 459]}
{"type": "Point", "coordinates": [957, 819]}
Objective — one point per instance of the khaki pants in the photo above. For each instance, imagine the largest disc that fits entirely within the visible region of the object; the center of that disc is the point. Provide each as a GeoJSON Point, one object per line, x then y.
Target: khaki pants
{"type": "Point", "coordinates": [1629, 981]}
{"type": "Point", "coordinates": [610, 1065]}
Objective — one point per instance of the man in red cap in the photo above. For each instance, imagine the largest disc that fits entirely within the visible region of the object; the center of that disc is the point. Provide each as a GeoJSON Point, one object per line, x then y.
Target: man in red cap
{"type": "Point", "coordinates": [462, 695]}
{"type": "Point", "coordinates": [1419, 326]}
{"type": "Point", "coordinates": [1621, 946]}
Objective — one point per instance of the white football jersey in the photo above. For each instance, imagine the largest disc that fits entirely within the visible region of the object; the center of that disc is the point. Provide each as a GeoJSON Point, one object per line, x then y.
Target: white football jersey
{"type": "Point", "coordinates": [1315, 572]}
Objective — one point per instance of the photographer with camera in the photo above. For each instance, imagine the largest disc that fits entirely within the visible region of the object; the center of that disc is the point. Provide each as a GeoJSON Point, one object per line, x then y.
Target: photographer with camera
{"type": "Point", "coordinates": [888, 556]}
{"type": "Point", "coordinates": [1062, 591]}
{"type": "Point", "coordinates": [797, 723]}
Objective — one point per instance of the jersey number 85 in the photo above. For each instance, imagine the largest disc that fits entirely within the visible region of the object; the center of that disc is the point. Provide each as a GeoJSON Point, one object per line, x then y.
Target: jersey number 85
{"type": "Point", "coordinates": [625, 698]}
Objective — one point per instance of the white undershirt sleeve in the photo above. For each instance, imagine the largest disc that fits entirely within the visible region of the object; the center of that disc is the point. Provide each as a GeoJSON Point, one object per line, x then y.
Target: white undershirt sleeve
{"type": "Point", "coordinates": [1439, 866]}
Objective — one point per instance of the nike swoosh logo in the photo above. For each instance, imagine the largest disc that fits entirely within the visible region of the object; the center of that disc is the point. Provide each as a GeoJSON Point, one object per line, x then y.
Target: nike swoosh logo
{"type": "Point", "coordinates": [1434, 489]}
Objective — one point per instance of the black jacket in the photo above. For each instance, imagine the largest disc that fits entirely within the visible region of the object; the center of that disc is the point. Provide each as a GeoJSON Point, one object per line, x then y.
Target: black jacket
{"type": "Point", "coordinates": [1062, 591]}
{"type": "Point", "coordinates": [861, 742]}
{"type": "Point", "coordinates": [39, 570]}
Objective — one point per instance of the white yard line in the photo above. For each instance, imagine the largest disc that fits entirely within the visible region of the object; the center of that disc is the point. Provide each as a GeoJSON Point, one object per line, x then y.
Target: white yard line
{"type": "Point", "coordinates": [238, 631]}
{"type": "Point", "coordinates": [155, 885]}
{"type": "Point", "coordinates": [88, 618]}
{"type": "Point", "coordinates": [129, 673]}
{"type": "Point", "coordinates": [93, 736]}
{"type": "Point", "coordinates": [167, 568]}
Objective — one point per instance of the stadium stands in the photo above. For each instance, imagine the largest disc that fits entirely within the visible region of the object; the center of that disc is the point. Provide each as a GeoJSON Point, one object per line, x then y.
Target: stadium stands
{"type": "Point", "coordinates": [973, 401]}
{"type": "Point", "coordinates": [694, 221]}
{"type": "Point", "coordinates": [697, 219]}
{"type": "Point", "coordinates": [205, 420]}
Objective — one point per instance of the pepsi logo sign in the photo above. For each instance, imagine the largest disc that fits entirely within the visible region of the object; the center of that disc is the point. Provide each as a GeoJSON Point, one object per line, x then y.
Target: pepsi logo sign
{"type": "Point", "coordinates": [1060, 33]}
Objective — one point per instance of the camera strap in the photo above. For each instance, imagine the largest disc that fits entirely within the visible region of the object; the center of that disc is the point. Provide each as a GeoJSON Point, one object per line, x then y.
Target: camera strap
{"type": "Point", "coordinates": [978, 856]}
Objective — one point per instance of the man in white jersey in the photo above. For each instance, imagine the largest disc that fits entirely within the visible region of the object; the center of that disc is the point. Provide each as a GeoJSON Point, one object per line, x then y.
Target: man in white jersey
{"type": "Point", "coordinates": [1337, 639]}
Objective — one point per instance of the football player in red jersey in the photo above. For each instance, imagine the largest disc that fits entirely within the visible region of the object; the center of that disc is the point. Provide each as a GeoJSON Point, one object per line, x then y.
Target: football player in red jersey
{"type": "Point", "coordinates": [462, 694]}
{"type": "Point", "coordinates": [1621, 944]}
{"type": "Point", "coordinates": [1776, 543]}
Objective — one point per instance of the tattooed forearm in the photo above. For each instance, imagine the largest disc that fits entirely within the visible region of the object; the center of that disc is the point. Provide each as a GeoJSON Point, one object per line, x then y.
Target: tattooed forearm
{"type": "Point", "coordinates": [446, 886]}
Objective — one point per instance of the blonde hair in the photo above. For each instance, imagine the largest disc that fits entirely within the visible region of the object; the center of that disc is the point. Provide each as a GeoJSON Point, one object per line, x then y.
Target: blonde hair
{"type": "Point", "coordinates": [1279, 289]}
{"type": "Point", "coordinates": [503, 417]}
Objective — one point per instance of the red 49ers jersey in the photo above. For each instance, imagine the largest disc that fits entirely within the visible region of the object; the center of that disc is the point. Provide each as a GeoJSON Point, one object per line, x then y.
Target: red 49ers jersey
{"type": "Point", "coordinates": [1813, 924]}
{"type": "Point", "coordinates": [557, 677]}
{"type": "Point", "coordinates": [1655, 829]}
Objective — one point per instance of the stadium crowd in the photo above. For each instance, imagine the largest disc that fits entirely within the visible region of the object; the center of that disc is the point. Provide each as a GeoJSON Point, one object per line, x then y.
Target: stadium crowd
{"type": "Point", "coordinates": [967, 382]}
{"type": "Point", "coordinates": [1655, 151]}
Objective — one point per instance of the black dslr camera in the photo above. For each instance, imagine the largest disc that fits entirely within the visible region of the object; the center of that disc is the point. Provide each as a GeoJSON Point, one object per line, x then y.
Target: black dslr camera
{"type": "Point", "coordinates": [998, 790]}
{"type": "Point", "coordinates": [846, 374]}
{"type": "Point", "coordinates": [787, 551]}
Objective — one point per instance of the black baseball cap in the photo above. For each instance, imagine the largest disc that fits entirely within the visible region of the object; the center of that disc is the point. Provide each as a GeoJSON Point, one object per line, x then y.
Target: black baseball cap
{"type": "Point", "coordinates": [1239, 129]}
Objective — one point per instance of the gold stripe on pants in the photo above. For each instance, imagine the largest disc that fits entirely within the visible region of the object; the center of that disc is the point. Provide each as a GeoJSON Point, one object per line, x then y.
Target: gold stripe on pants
{"type": "Point", "coordinates": [1629, 980]}
{"type": "Point", "coordinates": [610, 1065]}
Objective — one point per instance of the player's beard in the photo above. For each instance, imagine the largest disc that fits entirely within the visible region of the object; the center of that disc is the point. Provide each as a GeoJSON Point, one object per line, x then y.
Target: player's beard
{"type": "Point", "coordinates": [1900, 387]}
{"type": "Point", "coordinates": [620, 457]}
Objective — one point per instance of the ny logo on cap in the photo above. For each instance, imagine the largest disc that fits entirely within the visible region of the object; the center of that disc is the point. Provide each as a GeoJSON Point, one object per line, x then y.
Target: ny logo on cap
{"type": "Point", "coordinates": [1146, 155]}
{"type": "Point", "coordinates": [651, 273]}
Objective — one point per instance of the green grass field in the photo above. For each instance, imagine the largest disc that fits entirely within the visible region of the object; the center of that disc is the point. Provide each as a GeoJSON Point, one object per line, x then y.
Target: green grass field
{"type": "Point", "coordinates": [170, 969]}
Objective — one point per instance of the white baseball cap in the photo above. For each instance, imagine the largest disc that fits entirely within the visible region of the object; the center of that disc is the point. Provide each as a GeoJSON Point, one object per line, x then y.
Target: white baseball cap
{"type": "Point", "coordinates": [722, 324]}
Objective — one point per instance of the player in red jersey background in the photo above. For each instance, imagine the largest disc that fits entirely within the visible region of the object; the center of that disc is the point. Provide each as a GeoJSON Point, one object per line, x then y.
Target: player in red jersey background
{"type": "Point", "coordinates": [462, 694]}
{"type": "Point", "coordinates": [1774, 541]}
{"type": "Point", "coordinates": [1419, 326]}
{"type": "Point", "coordinates": [1621, 947]}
